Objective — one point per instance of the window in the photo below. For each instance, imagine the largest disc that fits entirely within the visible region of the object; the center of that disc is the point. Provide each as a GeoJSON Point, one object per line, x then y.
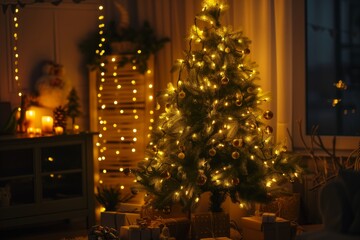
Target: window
{"type": "Point", "coordinates": [333, 66]}
{"type": "Point", "coordinates": [299, 91]}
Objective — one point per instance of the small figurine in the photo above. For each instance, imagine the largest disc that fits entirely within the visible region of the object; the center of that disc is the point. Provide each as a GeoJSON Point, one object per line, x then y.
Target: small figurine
{"type": "Point", "coordinates": [165, 233]}
{"type": "Point", "coordinates": [52, 87]}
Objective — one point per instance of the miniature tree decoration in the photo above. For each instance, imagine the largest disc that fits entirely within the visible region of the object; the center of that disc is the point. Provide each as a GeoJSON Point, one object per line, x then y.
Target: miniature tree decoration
{"type": "Point", "coordinates": [73, 105]}
{"type": "Point", "coordinates": [212, 135]}
{"type": "Point", "coordinates": [60, 117]}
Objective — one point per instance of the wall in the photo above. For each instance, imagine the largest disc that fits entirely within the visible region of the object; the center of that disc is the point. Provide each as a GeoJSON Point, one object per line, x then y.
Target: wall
{"type": "Point", "coordinates": [47, 33]}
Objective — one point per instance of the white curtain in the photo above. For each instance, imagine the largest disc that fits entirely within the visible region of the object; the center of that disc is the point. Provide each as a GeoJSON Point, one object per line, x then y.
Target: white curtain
{"type": "Point", "coordinates": [266, 22]}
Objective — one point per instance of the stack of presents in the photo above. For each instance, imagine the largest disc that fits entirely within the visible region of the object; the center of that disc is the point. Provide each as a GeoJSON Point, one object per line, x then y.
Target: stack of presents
{"type": "Point", "coordinates": [130, 223]}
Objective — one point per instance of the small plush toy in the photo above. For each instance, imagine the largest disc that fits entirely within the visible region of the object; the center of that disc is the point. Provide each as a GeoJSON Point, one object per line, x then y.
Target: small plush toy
{"type": "Point", "coordinates": [52, 88]}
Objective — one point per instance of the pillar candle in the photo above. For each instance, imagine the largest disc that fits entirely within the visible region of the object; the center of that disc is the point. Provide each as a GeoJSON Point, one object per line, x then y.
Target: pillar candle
{"type": "Point", "coordinates": [47, 124]}
{"type": "Point", "coordinates": [30, 118]}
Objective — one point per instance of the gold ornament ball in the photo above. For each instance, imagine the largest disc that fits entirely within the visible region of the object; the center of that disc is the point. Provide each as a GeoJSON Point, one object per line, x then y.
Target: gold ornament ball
{"type": "Point", "coordinates": [227, 50]}
{"type": "Point", "coordinates": [181, 155]}
{"type": "Point", "coordinates": [212, 152]}
{"type": "Point", "coordinates": [269, 129]}
{"type": "Point", "coordinates": [182, 94]}
{"type": "Point", "coordinates": [235, 155]}
{"type": "Point", "coordinates": [268, 115]}
{"type": "Point", "coordinates": [224, 81]}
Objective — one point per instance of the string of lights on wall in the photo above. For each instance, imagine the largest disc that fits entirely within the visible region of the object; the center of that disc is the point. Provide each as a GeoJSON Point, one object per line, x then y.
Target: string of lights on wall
{"type": "Point", "coordinates": [16, 51]}
{"type": "Point", "coordinates": [110, 88]}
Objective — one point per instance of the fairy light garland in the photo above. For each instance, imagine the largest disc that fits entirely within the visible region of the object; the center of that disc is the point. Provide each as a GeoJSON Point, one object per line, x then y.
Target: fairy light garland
{"type": "Point", "coordinates": [101, 51]}
{"type": "Point", "coordinates": [16, 52]}
{"type": "Point", "coordinates": [108, 66]}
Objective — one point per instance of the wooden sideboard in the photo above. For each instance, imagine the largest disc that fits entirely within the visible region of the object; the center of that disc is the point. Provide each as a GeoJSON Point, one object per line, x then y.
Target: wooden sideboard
{"type": "Point", "coordinates": [46, 178]}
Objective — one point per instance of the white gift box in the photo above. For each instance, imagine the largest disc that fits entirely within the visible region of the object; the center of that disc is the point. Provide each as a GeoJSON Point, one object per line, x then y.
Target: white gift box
{"type": "Point", "coordinates": [117, 219]}
{"type": "Point", "coordinates": [269, 217]}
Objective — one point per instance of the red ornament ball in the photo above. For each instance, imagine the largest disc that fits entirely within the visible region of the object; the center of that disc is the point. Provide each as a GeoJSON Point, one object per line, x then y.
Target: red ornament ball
{"type": "Point", "coordinates": [268, 115]}
{"type": "Point", "coordinates": [201, 179]}
{"type": "Point", "coordinates": [269, 129]}
{"type": "Point", "coordinates": [247, 51]}
{"type": "Point", "coordinates": [182, 148]}
{"type": "Point", "coordinates": [238, 102]}
{"type": "Point", "coordinates": [237, 142]}
{"type": "Point", "coordinates": [165, 175]}
{"type": "Point", "coordinates": [235, 181]}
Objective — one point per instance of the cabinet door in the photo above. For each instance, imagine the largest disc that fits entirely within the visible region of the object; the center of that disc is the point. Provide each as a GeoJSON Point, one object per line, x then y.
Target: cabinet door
{"type": "Point", "coordinates": [62, 172]}
{"type": "Point", "coordinates": [16, 177]}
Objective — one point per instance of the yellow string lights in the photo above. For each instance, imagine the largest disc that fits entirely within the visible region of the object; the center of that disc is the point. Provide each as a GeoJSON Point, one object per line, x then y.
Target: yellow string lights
{"type": "Point", "coordinates": [122, 96]}
{"type": "Point", "coordinates": [16, 52]}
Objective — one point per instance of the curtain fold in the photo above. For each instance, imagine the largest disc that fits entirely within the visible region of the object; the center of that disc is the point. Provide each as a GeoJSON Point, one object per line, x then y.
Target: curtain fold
{"type": "Point", "coordinates": [266, 22]}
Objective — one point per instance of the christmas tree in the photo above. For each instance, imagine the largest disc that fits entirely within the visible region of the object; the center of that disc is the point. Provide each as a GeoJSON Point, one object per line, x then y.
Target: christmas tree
{"type": "Point", "coordinates": [73, 105]}
{"type": "Point", "coordinates": [212, 135]}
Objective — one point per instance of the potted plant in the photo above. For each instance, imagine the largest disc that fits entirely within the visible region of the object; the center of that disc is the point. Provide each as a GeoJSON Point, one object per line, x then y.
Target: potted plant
{"type": "Point", "coordinates": [110, 197]}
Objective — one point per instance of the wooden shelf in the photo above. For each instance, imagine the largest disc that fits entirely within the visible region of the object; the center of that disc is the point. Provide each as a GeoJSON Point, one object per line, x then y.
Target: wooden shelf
{"type": "Point", "coordinates": [48, 178]}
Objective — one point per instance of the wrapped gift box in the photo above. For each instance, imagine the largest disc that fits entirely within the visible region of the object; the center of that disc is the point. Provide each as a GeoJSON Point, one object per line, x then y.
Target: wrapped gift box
{"type": "Point", "coordinates": [130, 207]}
{"type": "Point", "coordinates": [117, 219]}
{"type": "Point", "coordinates": [210, 225]}
{"type": "Point", "coordinates": [179, 227]}
{"type": "Point", "coordinates": [255, 229]}
{"type": "Point", "coordinates": [135, 232]}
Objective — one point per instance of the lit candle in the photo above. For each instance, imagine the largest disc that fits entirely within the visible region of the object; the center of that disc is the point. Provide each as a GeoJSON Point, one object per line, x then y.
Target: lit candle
{"type": "Point", "coordinates": [37, 131]}
{"type": "Point", "coordinates": [76, 128]}
{"type": "Point", "coordinates": [59, 130]}
{"type": "Point", "coordinates": [30, 130]}
{"type": "Point", "coordinates": [30, 118]}
{"type": "Point", "coordinates": [47, 124]}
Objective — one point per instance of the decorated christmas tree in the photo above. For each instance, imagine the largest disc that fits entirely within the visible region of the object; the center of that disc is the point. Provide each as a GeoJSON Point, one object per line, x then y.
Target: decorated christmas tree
{"type": "Point", "coordinates": [212, 134]}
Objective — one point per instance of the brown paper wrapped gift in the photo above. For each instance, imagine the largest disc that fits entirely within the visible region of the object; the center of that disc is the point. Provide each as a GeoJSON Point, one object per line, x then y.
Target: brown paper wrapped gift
{"type": "Point", "coordinates": [207, 225]}
{"type": "Point", "coordinates": [255, 229]}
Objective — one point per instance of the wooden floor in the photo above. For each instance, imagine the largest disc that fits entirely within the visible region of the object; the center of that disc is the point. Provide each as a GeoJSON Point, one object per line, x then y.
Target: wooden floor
{"type": "Point", "coordinates": [64, 230]}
